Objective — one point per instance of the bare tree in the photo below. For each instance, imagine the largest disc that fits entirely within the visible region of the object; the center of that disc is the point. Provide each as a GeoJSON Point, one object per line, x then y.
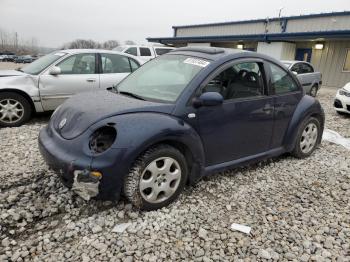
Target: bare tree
{"type": "Point", "coordinates": [129, 42]}
{"type": "Point", "coordinates": [82, 43]}
{"type": "Point", "coordinates": [110, 44]}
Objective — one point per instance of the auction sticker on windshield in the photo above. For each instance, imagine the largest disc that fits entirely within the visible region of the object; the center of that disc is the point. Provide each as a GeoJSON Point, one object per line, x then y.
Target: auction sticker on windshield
{"type": "Point", "coordinates": [196, 61]}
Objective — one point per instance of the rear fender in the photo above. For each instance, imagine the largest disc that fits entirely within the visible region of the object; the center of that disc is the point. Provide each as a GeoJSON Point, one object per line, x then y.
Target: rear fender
{"type": "Point", "coordinates": [307, 107]}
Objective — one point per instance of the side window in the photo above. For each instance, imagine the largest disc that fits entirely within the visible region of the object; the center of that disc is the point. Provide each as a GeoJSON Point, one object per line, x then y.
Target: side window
{"type": "Point", "coordinates": [134, 65]}
{"type": "Point", "coordinates": [162, 51]}
{"type": "Point", "coordinates": [144, 51]}
{"type": "Point", "coordinates": [306, 68]}
{"type": "Point", "coordinates": [296, 68]}
{"type": "Point", "coordinates": [113, 63]}
{"type": "Point", "coordinates": [281, 81]}
{"type": "Point", "coordinates": [131, 51]}
{"type": "Point", "coordinates": [78, 64]}
{"type": "Point", "coordinates": [238, 81]}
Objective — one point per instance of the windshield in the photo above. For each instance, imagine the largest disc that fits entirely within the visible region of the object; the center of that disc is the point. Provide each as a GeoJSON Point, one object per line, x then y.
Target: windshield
{"type": "Point", "coordinates": [162, 79]}
{"type": "Point", "coordinates": [39, 65]}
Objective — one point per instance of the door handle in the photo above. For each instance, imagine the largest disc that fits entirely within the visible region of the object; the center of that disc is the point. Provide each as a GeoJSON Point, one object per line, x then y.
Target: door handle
{"type": "Point", "coordinates": [91, 80]}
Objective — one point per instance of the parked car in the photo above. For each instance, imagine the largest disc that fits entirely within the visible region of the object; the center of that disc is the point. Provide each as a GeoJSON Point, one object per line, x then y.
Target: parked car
{"type": "Point", "coordinates": [9, 58]}
{"type": "Point", "coordinates": [24, 59]}
{"type": "Point", "coordinates": [184, 115]}
{"type": "Point", "coordinates": [144, 53]}
{"type": "Point", "coordinates": [309, 79]}
{"type": "Point", "coordinates": [342, 100]}
{"type": "Point", "coordinates": [44, 84]}
{"type": "Point", "coordinates": [2, 57]}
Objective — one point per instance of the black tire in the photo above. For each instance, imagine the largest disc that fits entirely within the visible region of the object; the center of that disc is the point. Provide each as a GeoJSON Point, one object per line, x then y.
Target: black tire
{"type": "Point", "coordinates": [297, 151]}
{"type": "Point", "coordinates": [314, 90]}
{"type": "Point", "coordinates": [131, 187]}
{"type": "Point", "coordinates": [27, 109]}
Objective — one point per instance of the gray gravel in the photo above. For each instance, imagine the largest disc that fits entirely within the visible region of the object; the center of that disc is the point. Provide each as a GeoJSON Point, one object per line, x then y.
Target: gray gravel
{"type": "Point", "coordinates": [298, 210]}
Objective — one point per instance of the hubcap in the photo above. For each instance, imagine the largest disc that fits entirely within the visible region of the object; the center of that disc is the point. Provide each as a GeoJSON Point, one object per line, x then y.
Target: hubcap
{"type": "Point", "coordinates": [11, 111]}
{"type": "Point", "coordinates": [160, 180]}
{"type": "Point", "coordinates": [308, 138]}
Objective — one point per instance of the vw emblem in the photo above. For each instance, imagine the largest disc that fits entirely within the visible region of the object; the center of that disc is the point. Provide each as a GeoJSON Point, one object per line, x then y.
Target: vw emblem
{"type": "Point", "coordinates": [62, 123]}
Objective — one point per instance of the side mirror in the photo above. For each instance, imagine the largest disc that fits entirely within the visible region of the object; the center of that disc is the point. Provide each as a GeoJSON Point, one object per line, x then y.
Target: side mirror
{"type": "Point", "coordinates": [55, 70]}
{"type": "Point", "coordinates": [208, 99]}
{"type": "Point", "coordinates": [295, 73]}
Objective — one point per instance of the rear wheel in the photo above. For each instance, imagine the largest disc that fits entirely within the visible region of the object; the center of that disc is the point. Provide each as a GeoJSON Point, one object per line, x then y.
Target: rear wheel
{"type": "Point", "coordinates": [157, 178]}
{"type": "Point", "coordinates": [307, 138]}
{"type": "Point", "coordinates": [313, 90]}
{"type": "Point", "coordinates": [15, 110]}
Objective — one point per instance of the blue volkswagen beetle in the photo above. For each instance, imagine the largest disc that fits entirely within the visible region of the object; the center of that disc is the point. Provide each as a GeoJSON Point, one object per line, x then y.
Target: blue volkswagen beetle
{"type": "Point", "coordinates": [187, 114]}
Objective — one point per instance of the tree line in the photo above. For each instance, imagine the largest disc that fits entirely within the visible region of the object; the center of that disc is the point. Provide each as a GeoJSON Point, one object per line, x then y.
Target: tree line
{"type": "Point", "coordinates": [12, 42]}
{"type": "Point", "coordinates": [83, 44]}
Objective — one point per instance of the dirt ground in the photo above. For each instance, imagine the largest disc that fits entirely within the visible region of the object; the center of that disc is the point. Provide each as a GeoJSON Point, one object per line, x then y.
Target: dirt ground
{"type": "Point", "coordinates": [9, 65]}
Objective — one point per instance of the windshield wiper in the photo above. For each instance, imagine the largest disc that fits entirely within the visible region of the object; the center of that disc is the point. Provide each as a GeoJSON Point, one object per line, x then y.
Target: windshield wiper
{"type": "Point", "coordinates": [131, 94]}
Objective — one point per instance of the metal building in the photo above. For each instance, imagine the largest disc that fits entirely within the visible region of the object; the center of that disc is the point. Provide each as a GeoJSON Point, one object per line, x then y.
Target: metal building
{"type": "Point", "coordinates": [322, 39]}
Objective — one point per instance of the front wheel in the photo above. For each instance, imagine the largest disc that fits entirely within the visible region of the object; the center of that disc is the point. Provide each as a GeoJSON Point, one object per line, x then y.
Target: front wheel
{"type": "Point", "coordinates": [156, 178]}
{"type": "Point", "coordinates": [15, 110]}
{"type": "Point", "coordinates": [308, 137]}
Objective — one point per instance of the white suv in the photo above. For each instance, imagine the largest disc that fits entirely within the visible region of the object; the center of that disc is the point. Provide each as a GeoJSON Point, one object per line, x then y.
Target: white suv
{"type": "Point", "coordinates": [144, 53]}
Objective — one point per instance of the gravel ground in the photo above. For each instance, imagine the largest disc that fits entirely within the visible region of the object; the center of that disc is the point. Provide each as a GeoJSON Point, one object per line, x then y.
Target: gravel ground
{"type": "Point", "coordinates": [298, 210]}
{"type": "Point", "coordinates": [9, 65]}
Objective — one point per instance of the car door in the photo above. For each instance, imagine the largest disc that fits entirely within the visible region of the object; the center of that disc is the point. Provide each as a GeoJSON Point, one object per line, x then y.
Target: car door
{"type": "Point", "coordinates": [286, 95]}
{"type": "Point", "coordinates": [146, 54]}
{"type": "Point", "coordinates": [78, 74]}
{"type": "Point", "coordinates": [114, 68]}
{"type": "Point", "coordinates": [242, 125]}
{"type": "Point", "coordinates": [304, 74]}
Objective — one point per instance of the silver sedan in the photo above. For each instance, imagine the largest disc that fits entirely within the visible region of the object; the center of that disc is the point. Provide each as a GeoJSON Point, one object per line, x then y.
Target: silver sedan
{"type": "Point", "coordinates": [46, 83]}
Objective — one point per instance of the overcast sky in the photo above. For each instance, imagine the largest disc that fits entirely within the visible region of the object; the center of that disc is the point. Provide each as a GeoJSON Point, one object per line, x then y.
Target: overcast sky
{"type": "Point", "coordinates": [54, 22]}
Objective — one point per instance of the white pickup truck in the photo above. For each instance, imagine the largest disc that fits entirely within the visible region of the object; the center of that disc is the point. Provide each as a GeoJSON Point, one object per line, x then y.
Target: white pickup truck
{"type": "Point", "coordinates": [309, 79]}
{"type": "Point", "coordinates": [144, 53]}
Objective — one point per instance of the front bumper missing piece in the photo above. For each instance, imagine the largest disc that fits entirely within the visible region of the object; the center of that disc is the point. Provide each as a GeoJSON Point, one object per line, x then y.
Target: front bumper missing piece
{"type": "Point", "coordinates": [86, 183]}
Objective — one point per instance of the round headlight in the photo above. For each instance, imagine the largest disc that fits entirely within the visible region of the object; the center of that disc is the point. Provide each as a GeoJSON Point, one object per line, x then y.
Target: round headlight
{"type": "Point", "coordinates": [102, 139]}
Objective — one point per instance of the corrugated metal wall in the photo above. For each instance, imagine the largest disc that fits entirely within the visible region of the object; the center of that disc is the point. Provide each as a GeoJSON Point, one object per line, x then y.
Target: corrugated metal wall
{"type": "Point", "coordinates": [318, 24]}
{"type": "Point", "coordinates": [330, 62]}
{"type": "Point", "coordinates": [234, 29]}
{"type": "Point", "coordinates": [314, 24]}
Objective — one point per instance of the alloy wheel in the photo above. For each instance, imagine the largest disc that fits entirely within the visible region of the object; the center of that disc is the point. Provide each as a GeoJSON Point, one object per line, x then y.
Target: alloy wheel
{"type": "Point", "coordinates": [160, 180]}
{"type": "Point", "coordinates": [11, 111]}
{"type": "Point", "coordinates": [308, 138]}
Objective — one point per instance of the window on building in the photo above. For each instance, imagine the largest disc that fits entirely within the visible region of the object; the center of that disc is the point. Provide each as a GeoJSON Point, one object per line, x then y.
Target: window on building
{"type": "Point", "coordinates": [281, 81]}
{"type": "Point", "coordinates": [347, 61]}
{"type": "Point", "coordinates": [144, 51]}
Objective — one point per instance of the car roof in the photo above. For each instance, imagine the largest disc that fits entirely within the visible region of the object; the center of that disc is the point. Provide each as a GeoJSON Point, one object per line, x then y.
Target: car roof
{"type": "Point", "coordinates": [294, 61]}
{"type": "Point", "coordinates": [211, 53]}
{"type": "Point", "coordinates": [79, 51]}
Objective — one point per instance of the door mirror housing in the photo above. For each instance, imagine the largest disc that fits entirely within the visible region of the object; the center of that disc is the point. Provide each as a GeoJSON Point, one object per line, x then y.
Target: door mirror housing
{"type": "Point", "coordinates": [55, 70]}
{"type": "Point", "coordinates": [295, 72]}
{"type": "Point", "coordinates": [208, 99]}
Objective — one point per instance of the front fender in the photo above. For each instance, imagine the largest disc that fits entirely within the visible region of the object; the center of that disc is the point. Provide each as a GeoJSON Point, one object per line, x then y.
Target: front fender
{"type": "Point", "coordinates": [136, 132]}
{"type": "Point", "coordinates": [307, 107]}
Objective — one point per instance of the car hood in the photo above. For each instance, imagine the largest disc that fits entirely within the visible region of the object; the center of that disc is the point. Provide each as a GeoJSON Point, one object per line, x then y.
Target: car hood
{"type": "Point", "coordinates": [7, 73]}
{"type": "Point", "coordinates": [81, 111]}
{"type": "Point", "coordinates": [347, 87]}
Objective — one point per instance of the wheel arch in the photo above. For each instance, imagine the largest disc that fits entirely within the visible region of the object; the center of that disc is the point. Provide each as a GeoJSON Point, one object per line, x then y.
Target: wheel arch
{"type": "Point", "coordinates": [22, 93]}
{"type": "Point", "coordinates": [307, 107]}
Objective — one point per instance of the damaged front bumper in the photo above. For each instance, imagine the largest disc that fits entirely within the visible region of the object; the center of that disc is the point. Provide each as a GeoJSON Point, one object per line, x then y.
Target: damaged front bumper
{"type": "Point", "coordinates": [77, 167]}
